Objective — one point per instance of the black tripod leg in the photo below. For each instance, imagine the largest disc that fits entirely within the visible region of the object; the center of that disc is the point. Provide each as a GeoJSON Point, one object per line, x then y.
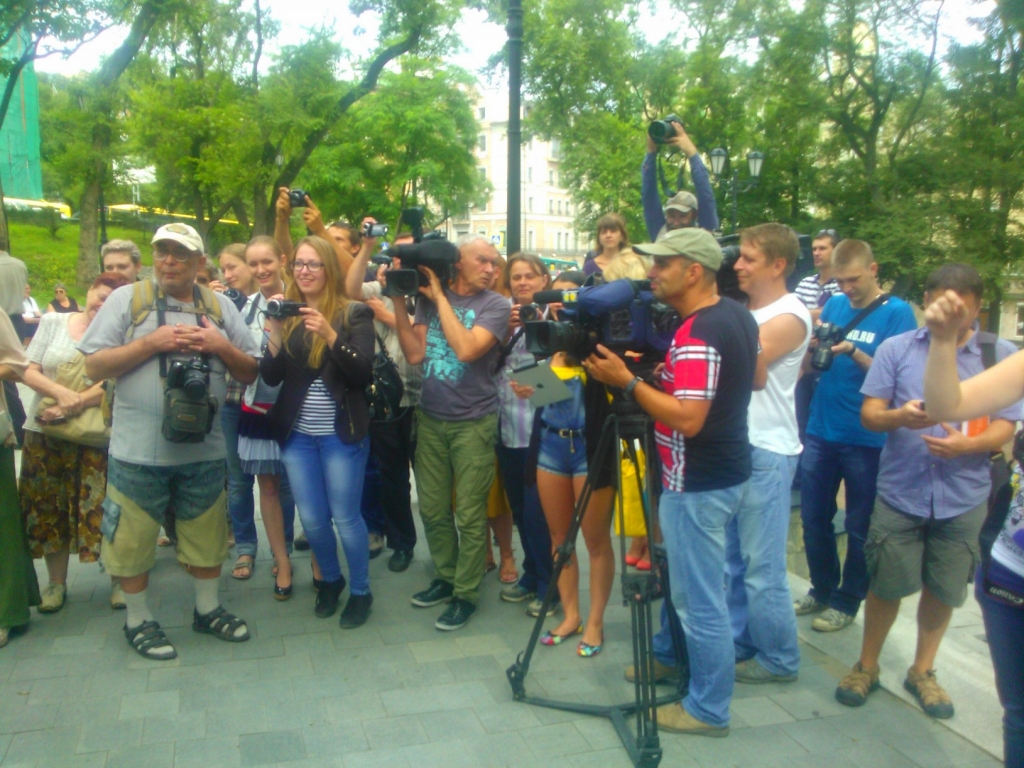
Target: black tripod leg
{"type": "Point", "coordinates": [517, 672]}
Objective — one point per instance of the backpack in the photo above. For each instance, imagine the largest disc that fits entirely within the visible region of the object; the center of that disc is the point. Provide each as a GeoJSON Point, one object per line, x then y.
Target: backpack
{"type": "Point", "coordinates": [144, 296]}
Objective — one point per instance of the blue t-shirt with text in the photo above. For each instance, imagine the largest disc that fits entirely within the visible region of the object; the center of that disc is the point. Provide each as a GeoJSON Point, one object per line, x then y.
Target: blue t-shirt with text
{"type": "Point", "coordinates": [835, 409]}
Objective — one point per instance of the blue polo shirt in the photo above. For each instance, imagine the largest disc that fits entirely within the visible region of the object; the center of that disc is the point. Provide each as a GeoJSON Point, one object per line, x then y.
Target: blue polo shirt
{"type": "Point", "coordinates": [835, 409]}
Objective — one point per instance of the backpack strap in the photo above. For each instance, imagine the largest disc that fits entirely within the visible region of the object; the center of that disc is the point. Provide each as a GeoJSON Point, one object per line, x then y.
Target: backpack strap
{"type": "Point", "coordinates": [144, 301]}
{"type": "Point", "coordinates": [988, 348]}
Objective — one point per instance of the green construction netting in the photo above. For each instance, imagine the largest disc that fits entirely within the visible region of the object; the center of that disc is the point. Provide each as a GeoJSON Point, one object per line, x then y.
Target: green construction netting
{"type": "Point", "coordinates": [20, 169]}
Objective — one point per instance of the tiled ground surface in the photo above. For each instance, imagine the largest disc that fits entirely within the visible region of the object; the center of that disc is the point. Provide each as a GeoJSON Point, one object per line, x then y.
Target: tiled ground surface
{"type": "Point", "coordinates": [395, 692]}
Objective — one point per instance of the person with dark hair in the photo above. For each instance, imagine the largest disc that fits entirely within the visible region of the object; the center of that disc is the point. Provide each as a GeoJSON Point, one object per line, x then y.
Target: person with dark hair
{"type": "Point", "coordinates": [838, 447]}
{"type": "Point", "coordinates": [933, 488]}
{"type": "Point", "coordinates": [684, 209]}
{"type": "Point", "coordinates": [612, 237]}
{"type": "Point", "coordinates": [814, 290]}
{"type": "Point", "coordinates": [63, 484]}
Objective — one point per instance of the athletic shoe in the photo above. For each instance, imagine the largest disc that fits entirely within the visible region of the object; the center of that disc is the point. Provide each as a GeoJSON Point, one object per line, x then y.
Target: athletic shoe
{"type": "Point", "coordinates": [439, 591]}
{"type": "Point", "coordinates": [533, 609]}
{"type": "Point", "coordinates": [832, 621]}
{"type": "Point", "coordinates": [808, 604]}
{"type": "Point", "coordinates": [517, 594]}
{"type": "Point", "coordinates": [752, 672]}
{"type": "Point", "coordinates": [456, 615]}
{"type": "Point", "coordinates": [53, 598]}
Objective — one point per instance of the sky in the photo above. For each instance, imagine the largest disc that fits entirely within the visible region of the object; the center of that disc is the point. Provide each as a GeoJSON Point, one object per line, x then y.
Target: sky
{"type": "Point", "coordinates": [482, 38]}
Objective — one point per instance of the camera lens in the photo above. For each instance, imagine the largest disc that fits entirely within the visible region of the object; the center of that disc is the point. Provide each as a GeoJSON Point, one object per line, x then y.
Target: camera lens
{"type": "Point", "coordinates": [822, 358]}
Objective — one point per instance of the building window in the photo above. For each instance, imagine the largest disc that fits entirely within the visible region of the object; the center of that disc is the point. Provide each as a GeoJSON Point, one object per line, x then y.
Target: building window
{"type": "Point", "coordinates": [529, 174]}
{"type": "Point", "coordinates": [483, 173]}
{"type": "Point", "coordinates": [481, 113]}
{"type": "Point", "coordinates": [559, 207]}
{"type": "Point", "coordinates": [559, 239]}
{"type": "Point", "coordinates": [551, 206]}
{"type": "Point", "coordinates": [483, 206]}
{"type": "Point", "coordinates": [529, 239]}
{"type": "Point", "coordinates": [481, 142]}
{"type": "Point", "coordinates": [529, 205]}
{"type": "Point", "coordinates": [556, 148]}
{"type": "Point", "coordinates": [482, 231]}
{"type": "Point", "coordinates": [551, 178]}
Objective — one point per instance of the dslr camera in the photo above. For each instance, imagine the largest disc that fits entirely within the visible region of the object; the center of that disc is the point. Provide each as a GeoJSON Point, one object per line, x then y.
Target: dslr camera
{"type": "Point", "coordinates": [189, 410]}
{"type": "Point", "coordinates": [428, 250]}
{"type": "Point", "coordinates": [827, 335]}
{"type": "Point", "coordinates": [622, 315]}
{"type": "Point", "coordinates": [297, 198]}
{"type": "Point", "coordinates": [662, 130]}
{"type": "Point", "coordinates": [279, 309]}
{"type": "Point", "coordinates": [191, 376]}
{"type": "Point", "coordinates": [374, 230]}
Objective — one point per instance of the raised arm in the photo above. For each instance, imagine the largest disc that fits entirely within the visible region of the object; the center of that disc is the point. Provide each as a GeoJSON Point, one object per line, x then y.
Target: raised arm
{"type": "Point", "coordinates": [654, 215]}
{"type": "Point", "coordinates": [282, 223]}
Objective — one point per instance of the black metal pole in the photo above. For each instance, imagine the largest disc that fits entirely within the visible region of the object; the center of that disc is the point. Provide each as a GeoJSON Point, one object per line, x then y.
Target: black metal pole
{"type": "Point", "coordinates": [735, 194]}
{"type": "Point", "coordinates": [513, 224]}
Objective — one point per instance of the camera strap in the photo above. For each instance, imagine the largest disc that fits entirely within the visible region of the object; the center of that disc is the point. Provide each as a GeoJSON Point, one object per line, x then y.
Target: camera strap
{"type": "Point", "coordinates": [665, 189]}
{"type": "Point", "coordinates": [199, 308]}
{"type": "Point", "coordinates": [859, 318]}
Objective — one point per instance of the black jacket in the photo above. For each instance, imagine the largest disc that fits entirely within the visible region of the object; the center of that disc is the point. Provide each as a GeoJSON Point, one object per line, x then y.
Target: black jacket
{"type": "Point", "coordinates": [347, 369]}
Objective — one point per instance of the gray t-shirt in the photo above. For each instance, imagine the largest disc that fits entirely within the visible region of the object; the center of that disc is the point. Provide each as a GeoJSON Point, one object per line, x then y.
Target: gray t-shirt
{"type": "Point", "coordinates": [139, 402]}
{"type": "Point", "coordinates": [453, 390]}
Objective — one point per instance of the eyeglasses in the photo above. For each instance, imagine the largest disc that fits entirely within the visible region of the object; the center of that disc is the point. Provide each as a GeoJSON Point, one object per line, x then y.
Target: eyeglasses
{"type": "Point", "coordinates": [311, 266]}
{"type": "Point", "coordinates": [161, 252]}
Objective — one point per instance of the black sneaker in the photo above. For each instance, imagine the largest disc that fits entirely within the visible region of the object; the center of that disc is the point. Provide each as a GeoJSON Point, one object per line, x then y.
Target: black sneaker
{"type": "Point", "coordinates": [456, 615]}
{"type": "Point", "coordinates": [400, 560]}
{"type": "Point", "coordinates": [327, 597]}
{"type": "Point", "coordinates": [357, 611]}
{"type": "Point", "coordinates": [439, 591]}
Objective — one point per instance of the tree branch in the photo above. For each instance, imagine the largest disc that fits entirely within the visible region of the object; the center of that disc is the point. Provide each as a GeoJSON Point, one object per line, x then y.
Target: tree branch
{"type": "Point", "coordinates": [12, 79]}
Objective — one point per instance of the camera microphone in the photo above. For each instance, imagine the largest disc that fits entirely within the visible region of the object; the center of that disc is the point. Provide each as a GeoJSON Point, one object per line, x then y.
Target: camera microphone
{"type": "Point", "coordinates": [548, 297]}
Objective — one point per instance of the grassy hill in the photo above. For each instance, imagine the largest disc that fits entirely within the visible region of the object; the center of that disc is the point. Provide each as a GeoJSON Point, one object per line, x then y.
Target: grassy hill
{"type": "Point", "coordinates": [52, 258]}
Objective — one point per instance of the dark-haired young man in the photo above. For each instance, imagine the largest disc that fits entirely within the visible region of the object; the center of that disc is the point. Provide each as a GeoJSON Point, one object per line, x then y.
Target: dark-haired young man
{"type": "Point", "coordinates": [933, 488]}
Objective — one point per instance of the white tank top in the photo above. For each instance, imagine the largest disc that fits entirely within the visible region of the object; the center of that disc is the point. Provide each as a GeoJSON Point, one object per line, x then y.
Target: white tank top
{"type": "Point", "coordinates": [772, 415]}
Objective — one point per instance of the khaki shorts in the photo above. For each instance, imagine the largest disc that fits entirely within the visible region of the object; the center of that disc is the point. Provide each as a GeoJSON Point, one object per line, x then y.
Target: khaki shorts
{"type": "Point", "coordinates": [905, 551]}
{"type": "Point", "coordinates": [137, 498]}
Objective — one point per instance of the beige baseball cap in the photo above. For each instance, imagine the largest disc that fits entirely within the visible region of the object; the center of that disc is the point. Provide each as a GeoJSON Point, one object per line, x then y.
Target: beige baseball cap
{"type": "Point", "coordinates": [692, 242]}
{"type": "Point", "coordinates": [684, 202]}
{"type": "Point", "coordinates": [182, 234]}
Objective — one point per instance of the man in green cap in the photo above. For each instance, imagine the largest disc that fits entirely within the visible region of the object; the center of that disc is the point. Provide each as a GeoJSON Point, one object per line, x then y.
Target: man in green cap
{"type": "Point", "coordinates": [700, 414]}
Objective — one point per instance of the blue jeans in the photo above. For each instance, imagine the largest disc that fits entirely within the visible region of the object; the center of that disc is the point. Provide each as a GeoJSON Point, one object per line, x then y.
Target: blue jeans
{"type": "Point", "coordinates": [369, 502]}
{"type": "Point", "coordinates": [1004, 626]}
{"type": "Point", "coordinates": [328, 477]}
{"type": "Point", "coordinates": [760, 606]}
{"type": "Point", "coordinates": [528, 517]}
{"type": "Point", "coordinates": [694, 525]}
{"type": "Point", "coordinates": [823, 466]}
{"type": "Point", "coordinates": [241, 505]}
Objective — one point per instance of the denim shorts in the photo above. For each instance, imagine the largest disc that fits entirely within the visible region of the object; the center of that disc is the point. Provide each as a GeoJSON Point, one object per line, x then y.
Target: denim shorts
{"type": "Point", "coordinates": [562, 456]}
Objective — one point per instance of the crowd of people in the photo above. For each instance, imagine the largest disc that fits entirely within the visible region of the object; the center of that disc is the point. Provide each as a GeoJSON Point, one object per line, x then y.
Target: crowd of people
{"type": "Point", "coordinates": [165, 402]}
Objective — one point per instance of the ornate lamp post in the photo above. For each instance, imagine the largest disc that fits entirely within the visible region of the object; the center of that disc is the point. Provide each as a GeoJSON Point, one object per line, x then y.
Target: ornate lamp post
{"type": "Point", "coordinates": [754, 162]}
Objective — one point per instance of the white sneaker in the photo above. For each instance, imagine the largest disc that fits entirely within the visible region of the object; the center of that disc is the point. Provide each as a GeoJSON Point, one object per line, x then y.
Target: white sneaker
{"type": "Point", "coordinates": [5, 635]}
{"type": "Point", "coordinates": [117, 596]}
{"type": "Point", "coordinates": [53, 598]}
{"type": "Point", "coordinates": [832, 621]}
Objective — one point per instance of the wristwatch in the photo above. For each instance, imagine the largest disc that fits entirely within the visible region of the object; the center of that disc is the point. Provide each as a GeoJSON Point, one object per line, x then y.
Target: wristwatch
{"type": "Point", "coordinates": [627, 391]}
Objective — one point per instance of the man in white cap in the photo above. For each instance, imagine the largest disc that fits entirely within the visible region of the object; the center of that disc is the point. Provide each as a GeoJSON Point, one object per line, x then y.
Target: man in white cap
{"type": "Point", "coordinates": [168, 346]}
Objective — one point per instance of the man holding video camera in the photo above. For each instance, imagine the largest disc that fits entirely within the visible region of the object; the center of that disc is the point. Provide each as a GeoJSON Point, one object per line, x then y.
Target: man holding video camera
{"type": "Point", "coordinates": [168, 348]}
{"type": "Point", "coordinates": [837, 446]}
{"type": "Point", "coordinates": [455, 336]}
{"type": "Point", "coordinates": [700, 411]}
{"type": "Point", "coordinates": [684, 209]}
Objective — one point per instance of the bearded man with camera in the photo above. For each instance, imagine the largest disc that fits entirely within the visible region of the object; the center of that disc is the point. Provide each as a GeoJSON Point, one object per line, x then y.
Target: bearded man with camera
{"type": "Point", "coordinates": [167, 346]}
{"type": "Point", "coordinates": [455, 336]}
{"type": "Point", "coordinates": [684, 209]}
{"type": "Point", "coordinates": [837, 446]}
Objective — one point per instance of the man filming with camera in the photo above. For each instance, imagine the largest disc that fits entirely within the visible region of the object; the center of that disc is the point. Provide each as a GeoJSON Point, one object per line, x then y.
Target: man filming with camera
{"type": "Point", "coordinates": [684, 209]}
{"type": "Point", "coordinates": [700, 411]}
{"type": "Point", "coordinates": [837, 446]}
{"type": "Point", "coordinates": [168, 347]}
{"type": "Point", "coordinates": [455, 336]}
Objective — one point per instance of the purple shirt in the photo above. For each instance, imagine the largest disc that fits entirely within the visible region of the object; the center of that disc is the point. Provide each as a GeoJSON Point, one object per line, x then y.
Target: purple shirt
{"type": "Point", "coordinates": [909, 477]}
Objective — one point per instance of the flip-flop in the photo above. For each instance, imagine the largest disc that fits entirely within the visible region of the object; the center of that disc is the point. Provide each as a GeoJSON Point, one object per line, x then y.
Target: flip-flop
{"type": "Point", "coordinates": [249, 565]}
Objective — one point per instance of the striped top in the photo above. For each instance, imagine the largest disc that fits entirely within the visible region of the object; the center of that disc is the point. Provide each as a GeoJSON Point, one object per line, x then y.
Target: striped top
{"type": "Point", "coordinates": [813, 294]}
{"type": "Point", "coordinates": [316, 417]}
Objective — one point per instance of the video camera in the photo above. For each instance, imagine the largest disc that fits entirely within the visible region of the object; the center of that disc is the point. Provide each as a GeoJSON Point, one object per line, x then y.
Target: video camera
{"type": "Point", "coordinates": [428, 250]}
{"type": "Point", "coordinates": [622, 315]}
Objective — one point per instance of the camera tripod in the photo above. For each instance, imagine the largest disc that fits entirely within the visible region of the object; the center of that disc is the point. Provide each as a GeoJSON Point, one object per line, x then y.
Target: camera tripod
{"type": "Point", "coordinates": [628, 423]}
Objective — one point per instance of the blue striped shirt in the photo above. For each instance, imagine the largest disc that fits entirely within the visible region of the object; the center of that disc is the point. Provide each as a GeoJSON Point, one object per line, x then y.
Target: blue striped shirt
{"type": "Point", "coordinates": [909, 477]}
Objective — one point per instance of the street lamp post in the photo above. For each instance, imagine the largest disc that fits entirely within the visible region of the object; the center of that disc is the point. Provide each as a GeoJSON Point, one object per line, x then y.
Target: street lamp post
{"type": "Point", "coordinates": [514, 29]}
{"type": "Point", "coordinates": [754, 162]}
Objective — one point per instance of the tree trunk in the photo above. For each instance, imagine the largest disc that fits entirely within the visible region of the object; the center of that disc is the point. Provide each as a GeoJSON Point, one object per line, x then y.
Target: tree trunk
{"type": "Point", "coordinates": [89, 225]}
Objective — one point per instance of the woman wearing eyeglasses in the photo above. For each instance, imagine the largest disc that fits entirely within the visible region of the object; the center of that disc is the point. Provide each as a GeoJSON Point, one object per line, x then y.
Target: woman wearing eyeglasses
{"type": "Point", "coordinates": [323, 360]}
{"type": "Point", "coordinates": [61, 301]}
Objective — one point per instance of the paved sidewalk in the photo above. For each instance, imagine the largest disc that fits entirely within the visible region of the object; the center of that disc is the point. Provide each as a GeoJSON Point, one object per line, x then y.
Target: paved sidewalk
{"type": "Point", "coordinates": [397, 692]}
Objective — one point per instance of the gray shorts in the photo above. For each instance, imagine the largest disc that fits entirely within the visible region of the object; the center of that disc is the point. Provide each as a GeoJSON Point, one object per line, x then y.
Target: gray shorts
{"type": "Point", "coordinates": [905, 551]}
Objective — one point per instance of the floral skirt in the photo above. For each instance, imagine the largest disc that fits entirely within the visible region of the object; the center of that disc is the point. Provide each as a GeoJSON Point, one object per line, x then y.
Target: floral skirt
{"type": "Point", "coordinates": [61, 491]}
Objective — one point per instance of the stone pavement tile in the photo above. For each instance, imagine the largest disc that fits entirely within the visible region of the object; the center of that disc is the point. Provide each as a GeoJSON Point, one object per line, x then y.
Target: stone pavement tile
{"type": "Point", "coordinates": [76, 644]}
{"type": "Point", "coordinates": [598, 731]}
{"type": "Point", "coordinates": [154, 704]}
{"type": "Point", "coordinates": [258, 648]}
{"type": "Point", "coordinates": [451, 753]}
{"type": "Point", "coordinates": [394, 732]}
{"type": "Point", "coordinates": [364, 638]}
{"type": "Point", "coordinates": [819, 736]}
{"type": "Point", "coordinates": [768, 743]}
{"type": "Point", "coordinates": [188, 726]}
{"type": "Point", "coordinates": [77, 710]}
{"type": "Point", "coordinates": [941, 749]}
{"type": "Point", "coordinates": [478, 668]}
{"type": "Point", "coordinates": [556, 740]}
{"type": "Point", "coordinates": [55, 688]}
{"type": "Point", "coordinates": [287, 666]}
{"type": "Point", "coordinates": [507, 716]}
{"type": "Point", "coordinates": [5, 742]}
{"type": "Point", "coordinates": [479, 645]}
{"type": "Point", "coordinates": [330, 741]}
{"type": "Point", "coordinates": [606, 758]}
{"type": "Point", "coordinates": [365, 705]}
{"type": "Point", "coordinates": [299, 713]}
{"type": "Point", "coordinates": [760, 710]}
{"type": "Point", "coordinates": [123, 682]}
{"type": "Point", "coordinates": [869, 753]}
{"type": "Point", "coordinates": [200, 698]}
{"type": "Point", "coordinates": [28, 717]}
{"type": "Point", "coordinates": [499, 750]}
{"type": "Point", "coordinates": [712, 753]}
{"type": "Point", "coordinates": [420, 675]}
{"type": "Point", "coordinates": [49, 746]}
{"type": "Point", "coordinates": [231, 719]}
{"type": "Point", "coordinates": [377, 758]}
{"type": "Point", "coordinates": [271, 747]}
{"type": "Point", "coordinates": [325, 686]}
{"type": "Point", "coordinates": [109, 735]}
{"type": "Point", "coordinates": [36, 668]}
{"type": "Point", "coordinates": [90, 760]}
{"type": "Point", "coordinates": [810, 704]}
{"type": "Point", "coordinates": [453, 724]}
{"type": "Point", "coordinates": [441, 649]}
{"type": "Point", "coordinates": [151, 756]}
{"type": "Point", "coordinates": [435, 698]}
{"type": "Point", "coordinates": [306, 646]}
{"type": "Point", "coordinates": [203, 753]}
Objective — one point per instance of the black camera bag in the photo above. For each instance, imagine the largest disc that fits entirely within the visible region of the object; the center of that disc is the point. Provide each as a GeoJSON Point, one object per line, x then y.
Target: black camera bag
{"type": "Point", "coordinates": [384, 393]}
